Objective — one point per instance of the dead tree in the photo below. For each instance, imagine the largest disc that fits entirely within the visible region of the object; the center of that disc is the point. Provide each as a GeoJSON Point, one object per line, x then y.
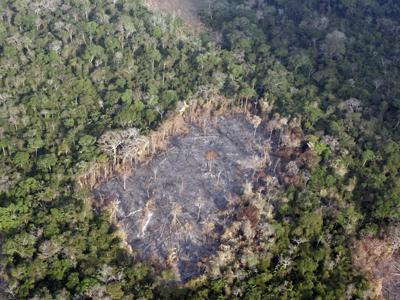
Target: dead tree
{"type": "Point", "coordinates": [124, 171]}
{"type": "Point", "coordinates": [109, 143]}
{"type": "Point", "coordinates": [276, 165]}
{"type": "Point", "coordinates": [146, 216]}
{"type": "Point", "coordinates": [210, 157]}
{"type": "Point", "coordinates": [256, 121]}
{"type": "Point", "coordinates": [175, 212]}
{"type": "Point", "coordinates": [127, 144]}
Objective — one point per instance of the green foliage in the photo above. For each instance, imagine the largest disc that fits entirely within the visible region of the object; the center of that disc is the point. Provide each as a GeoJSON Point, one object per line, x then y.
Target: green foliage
{"type": "Point", "coordinates": [13, 216]}
{"type": "Point", "coordinates": [329, 77]}
{"type": "Point", "coordinates": [70, 73]}
{"type": "Point", "coordinates": [67, 76]}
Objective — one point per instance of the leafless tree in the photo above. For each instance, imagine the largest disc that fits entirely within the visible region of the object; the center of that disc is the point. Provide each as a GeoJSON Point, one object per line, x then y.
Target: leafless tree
{"type": "Point", "coordinates": [256, 121]}
{"type": "Point", "coordinates": [109, 143]}
{"type": "Point", "coordinates": [127, 144]}
{"type": "Point", "coordinates": [176, 211]}
{"type": "Point", "coordinates": [210, 157]}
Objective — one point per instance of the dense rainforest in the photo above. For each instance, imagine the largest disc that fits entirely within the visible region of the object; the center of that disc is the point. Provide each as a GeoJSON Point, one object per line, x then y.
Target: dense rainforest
{"type": "Point", "coordinates": [73, 70]}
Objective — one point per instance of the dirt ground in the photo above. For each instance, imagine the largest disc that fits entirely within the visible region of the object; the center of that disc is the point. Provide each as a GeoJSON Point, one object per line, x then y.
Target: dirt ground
{"type": "Point", "coordinates": [175, 208]}
{"type": "Point", "coordinates": [186, 9]}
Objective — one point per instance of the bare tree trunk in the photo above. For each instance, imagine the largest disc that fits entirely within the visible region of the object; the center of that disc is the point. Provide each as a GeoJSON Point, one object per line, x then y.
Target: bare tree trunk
{"type": "Point", "coordinates": [115, 156]}
{"type": "Point", "coordinates": [276, 165]}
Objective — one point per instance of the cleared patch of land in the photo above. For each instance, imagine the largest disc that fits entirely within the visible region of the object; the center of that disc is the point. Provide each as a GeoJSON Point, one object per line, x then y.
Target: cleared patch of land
{"type": "Point", "coordinates": [177, 206]}
{"type": "Point", "coordinates": [186, 9]}
{"type": "Point", "coordinates": [207, 189]}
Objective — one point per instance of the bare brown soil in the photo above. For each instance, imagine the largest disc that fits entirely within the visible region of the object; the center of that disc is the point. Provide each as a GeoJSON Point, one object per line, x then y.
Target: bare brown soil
{"type": "Point", "coordinates": [186, 9]}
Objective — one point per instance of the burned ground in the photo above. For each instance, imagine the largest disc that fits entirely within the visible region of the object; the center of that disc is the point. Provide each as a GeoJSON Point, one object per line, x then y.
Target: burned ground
{"type": "Point", "coordinates": [175, 208]}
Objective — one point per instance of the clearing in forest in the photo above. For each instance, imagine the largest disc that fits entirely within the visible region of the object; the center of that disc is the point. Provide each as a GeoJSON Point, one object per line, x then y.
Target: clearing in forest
{"type": "Point", "coordinates": [188, 10]}
{"type": "Point", "coordinates": [177, 205]}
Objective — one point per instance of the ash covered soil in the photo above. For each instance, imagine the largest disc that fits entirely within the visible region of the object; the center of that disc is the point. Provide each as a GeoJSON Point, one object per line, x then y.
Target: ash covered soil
{"type": "Point", "coordinates": [175, 208]}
